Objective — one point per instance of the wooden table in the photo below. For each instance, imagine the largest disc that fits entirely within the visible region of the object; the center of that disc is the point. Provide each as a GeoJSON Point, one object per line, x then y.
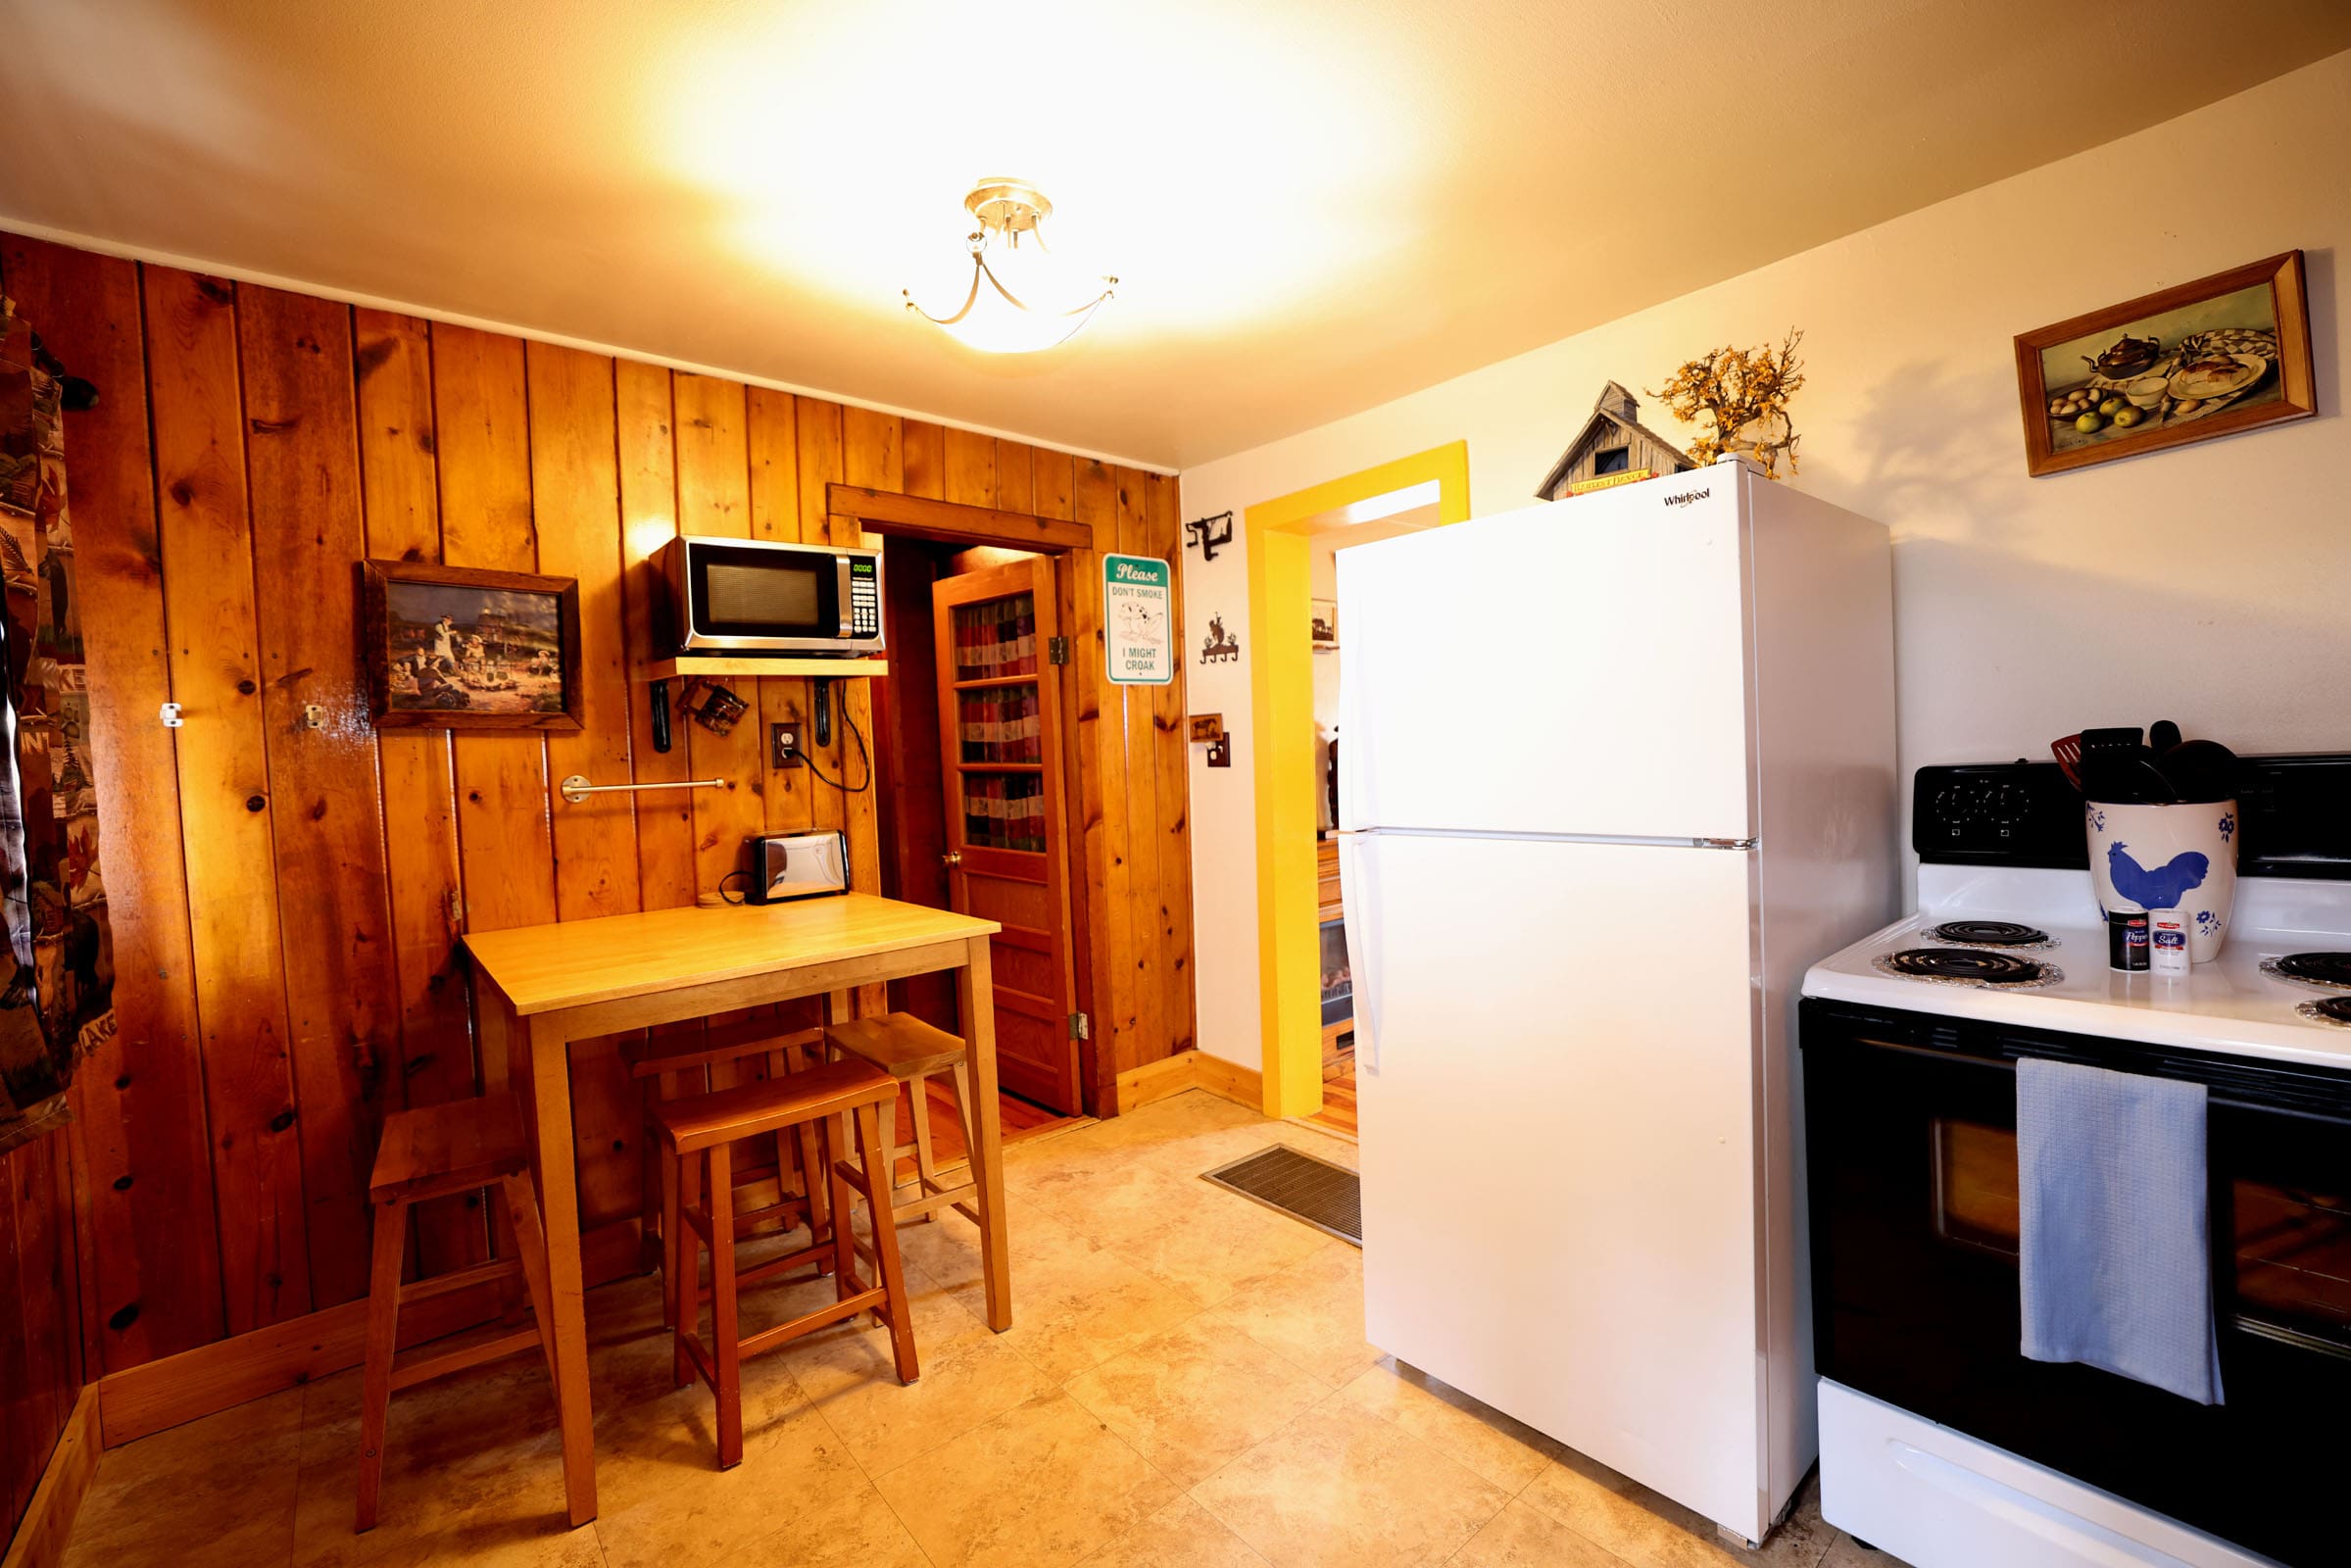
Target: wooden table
{"type": "Point", "coordinates": [539, 988]}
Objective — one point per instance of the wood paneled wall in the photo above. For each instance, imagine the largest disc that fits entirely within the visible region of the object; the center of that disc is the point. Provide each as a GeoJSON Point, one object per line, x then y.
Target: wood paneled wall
{"type": "Point", "coordinates": [286, 899]}
{"type": "Point", "coordinates": [40, 1327]}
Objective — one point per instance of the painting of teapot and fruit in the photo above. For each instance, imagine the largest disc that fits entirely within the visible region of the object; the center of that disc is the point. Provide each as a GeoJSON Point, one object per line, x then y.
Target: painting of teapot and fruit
{"type": "Point", "coordinates": [2205, 359]}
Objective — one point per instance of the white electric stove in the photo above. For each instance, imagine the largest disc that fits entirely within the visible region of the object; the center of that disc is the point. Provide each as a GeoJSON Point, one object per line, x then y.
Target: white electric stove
{"type": "Point", "coordinates": [1940, 1443]}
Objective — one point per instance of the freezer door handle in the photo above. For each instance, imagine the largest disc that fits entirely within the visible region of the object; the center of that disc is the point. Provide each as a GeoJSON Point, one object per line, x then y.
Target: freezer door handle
{"type": "Point", "coordinates": [1357, 901]}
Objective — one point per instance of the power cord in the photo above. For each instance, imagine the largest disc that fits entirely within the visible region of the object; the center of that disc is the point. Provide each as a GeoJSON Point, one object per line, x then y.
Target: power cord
{"type": "Point", "coordinates": [729, 877]}
{"type": "Point", "coordinates": [863, 754]}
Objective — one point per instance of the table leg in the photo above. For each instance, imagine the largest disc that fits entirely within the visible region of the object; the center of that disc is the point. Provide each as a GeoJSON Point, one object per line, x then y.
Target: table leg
{"type": "Point", "coordinates": [559, 1203]}
{"type": "Point", "coordinates": [976, 989]}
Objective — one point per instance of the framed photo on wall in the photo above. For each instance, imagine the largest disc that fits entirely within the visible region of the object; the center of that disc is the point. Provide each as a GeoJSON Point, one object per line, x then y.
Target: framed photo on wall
{"type": "Point", "coordinates": [457, 648]}
{"type": "Point", "coordinates": [1323, 622]}
{"type": "Point", "coordinates": [2214, 357]}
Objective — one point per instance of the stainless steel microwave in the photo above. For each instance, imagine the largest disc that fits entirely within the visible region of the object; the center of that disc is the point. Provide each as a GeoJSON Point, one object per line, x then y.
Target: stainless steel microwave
{"type": "Point", "coordinates": [759, 596]}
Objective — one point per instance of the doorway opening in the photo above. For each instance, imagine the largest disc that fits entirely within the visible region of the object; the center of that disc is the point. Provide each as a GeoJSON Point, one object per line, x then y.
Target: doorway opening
{"type": "Point", "coordinates": [1291, 746]}
{"type": "Point", "coordinates": [973, 813]}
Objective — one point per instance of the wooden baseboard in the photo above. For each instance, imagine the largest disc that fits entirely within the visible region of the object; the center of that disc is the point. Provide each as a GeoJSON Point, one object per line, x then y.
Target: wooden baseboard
{"type": "Point", "coordinates": [1157, 1080]}
{"type": "Point", "coordinates": [1190, 1069]}
{"type": "Point", "coordinates": [143, 1399]}
{"type": "Point", "coordinates": [42, 1535]}
{"type": "Point", "coordinates": [1244, 1086]}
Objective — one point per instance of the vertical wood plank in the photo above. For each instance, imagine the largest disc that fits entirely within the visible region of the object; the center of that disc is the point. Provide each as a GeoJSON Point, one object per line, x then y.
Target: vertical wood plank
{"type": "Point", "coordinates": [713, 499]}
{"type": "Point", "coordinates": [818, 433]}
{"type": "Point", "coordinates": [924, 453]}
{"type": "Point", "coordinates": [1103, 728]}
{"type": "Point", "coordinates": [1014, 476]}
{"type": "Point", "coordinates": [1171, 760]}
{"type": "Point", "coordinates": [334, 908]}
{"type": "Point", "coordinates": [400, 491]}
{"type": "Point", "coordinates": [576, 502]}
{"type": "Point", "coordinates": [19, 1441]}
{"type": "Point", "coordinates": [155, 1276]}
{"type": "Point", "coordinates": [649, 520]}
{"type": "Point", "coordinates": [481, 415]}
{"type": "Point", "coordinates": [775, 441]}
{"type": "Point", "coordinates": [1054, 485]}
{"type": "Point", "coordinates": [871, 454]}
{"type": "Point", "coordinates": [970, 468]}
{"type": "Point", "coordinates": [1144, 1038]}
{"type": "Point", "coordinates": [223, 796]}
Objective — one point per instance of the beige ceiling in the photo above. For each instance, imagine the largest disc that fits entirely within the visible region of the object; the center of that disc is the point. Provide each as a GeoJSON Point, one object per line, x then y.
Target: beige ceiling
{"type": "Point", "coordinates": [1313, 206]}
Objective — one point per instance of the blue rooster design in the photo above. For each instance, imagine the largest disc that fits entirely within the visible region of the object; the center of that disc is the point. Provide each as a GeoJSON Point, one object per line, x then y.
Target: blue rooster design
{"type": "Point", "coordinates": [2161, 888]}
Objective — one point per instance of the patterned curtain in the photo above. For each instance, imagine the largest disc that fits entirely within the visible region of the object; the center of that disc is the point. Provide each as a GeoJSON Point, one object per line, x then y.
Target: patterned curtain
{"type": "Point", "coordinates": [58, 1003]}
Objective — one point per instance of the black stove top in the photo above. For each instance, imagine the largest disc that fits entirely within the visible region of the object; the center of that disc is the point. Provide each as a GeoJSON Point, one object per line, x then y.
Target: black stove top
{"type": "Point", "coordinates": [1968, 966]}
{"type": "Point", "coordinates": [2331, 971]}
{"type": "Point", "coordinates": [1990, 934]}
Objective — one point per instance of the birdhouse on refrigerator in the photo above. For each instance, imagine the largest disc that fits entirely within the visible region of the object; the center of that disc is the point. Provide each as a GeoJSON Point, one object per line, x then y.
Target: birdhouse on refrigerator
{"type": "Point", "coordinates": [1614, 448]}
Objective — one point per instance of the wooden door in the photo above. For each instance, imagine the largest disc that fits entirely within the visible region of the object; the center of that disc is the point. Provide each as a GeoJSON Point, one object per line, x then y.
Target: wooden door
{"type": "Point", "coordinates": [1007, 823]}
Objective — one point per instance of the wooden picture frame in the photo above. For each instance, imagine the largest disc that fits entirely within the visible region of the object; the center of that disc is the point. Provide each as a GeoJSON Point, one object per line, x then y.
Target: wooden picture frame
{"type": "Point", "coordinates": [2123, 380]}
{"type": "Point", "coordinates": [464, 648]}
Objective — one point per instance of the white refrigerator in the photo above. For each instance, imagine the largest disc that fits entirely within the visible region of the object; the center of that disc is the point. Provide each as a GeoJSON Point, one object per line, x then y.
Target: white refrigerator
{"type": "Point", "coordinates": [1613, 770]}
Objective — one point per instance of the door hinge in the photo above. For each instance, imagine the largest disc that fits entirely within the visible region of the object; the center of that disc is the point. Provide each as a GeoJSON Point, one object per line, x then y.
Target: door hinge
{"type": "Point", "coordinates": [1057, 650]}
{"type": "Point", "coordinates": [1081, 1027]}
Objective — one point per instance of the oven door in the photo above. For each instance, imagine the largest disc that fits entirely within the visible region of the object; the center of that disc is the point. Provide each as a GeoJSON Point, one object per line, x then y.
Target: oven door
{"type": "Point", "coordinates": [1911, 1149]}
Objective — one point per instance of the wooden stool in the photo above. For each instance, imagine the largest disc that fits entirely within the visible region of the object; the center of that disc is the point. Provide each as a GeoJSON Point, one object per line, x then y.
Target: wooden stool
{"type": "Point", "coordinates": [652, 1060]}
{"type": "Point", "coordinates": [698, 1134]}
{"type": "Point", "coordinates": [439, 1152]}
{"type": "Point", "coordinates": [910, 1050]}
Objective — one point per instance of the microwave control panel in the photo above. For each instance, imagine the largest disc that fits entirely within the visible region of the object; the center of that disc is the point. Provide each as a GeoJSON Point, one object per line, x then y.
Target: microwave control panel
{"type": "Point", "coordinates": [864, 599]}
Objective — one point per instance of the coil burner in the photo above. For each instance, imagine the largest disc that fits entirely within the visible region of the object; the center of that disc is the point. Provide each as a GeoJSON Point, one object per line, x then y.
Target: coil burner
{"type": "Point", "coordinates": [1969, 966]}
{"type": "Point", "coordinates": [1991, 934]}
{"type": "Point", "coordinates": [2329, 971]}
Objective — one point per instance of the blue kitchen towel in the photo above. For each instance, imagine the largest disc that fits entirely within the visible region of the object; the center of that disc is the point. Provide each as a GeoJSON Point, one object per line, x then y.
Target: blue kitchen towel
{"type": "Point", "coordinates": [2116, 1262]}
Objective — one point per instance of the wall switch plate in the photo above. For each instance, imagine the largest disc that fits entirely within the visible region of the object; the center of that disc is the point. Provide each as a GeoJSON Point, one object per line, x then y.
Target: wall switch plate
{"type": "Point", "coordinates": [783, 746]}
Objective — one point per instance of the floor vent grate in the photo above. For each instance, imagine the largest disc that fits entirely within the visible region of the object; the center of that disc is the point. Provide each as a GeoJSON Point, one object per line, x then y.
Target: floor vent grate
{"type": "Point", "coordinates": [1327, 1196]}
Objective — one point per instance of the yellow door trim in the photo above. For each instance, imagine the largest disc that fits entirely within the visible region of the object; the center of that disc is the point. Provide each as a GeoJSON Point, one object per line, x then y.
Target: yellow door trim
{"type": "Point", "coordinates": [1282, 743]}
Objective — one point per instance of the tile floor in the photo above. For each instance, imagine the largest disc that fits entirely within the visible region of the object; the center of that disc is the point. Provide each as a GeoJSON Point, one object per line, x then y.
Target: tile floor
{"type": "Point", "coordinates": [1186, 1386]}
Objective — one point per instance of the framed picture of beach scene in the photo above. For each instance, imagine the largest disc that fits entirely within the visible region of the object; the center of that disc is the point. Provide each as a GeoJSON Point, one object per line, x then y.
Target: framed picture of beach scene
{"type": "Point", "coordinates": [461, 648]}
{"type": "Point", "coordinates": [2206, 358]}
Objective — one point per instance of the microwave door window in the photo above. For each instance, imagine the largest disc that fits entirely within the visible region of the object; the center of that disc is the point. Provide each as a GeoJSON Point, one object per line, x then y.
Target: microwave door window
{"type": "Point", "coordinates": [781, 597]}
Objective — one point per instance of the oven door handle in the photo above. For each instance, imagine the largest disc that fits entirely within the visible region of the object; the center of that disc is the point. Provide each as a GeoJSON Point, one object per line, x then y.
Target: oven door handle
{"type": "Point", "coordinates": [2213, 1098]}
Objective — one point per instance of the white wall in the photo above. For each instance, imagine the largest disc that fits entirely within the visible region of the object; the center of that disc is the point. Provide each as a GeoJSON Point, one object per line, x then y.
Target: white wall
{"type": "Point", "coordinates": [2210, 584]}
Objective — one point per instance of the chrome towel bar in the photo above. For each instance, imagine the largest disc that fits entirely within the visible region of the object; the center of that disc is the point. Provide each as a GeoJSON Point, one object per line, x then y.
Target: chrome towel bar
{"type": "Point", "coordinates": [577, 787]}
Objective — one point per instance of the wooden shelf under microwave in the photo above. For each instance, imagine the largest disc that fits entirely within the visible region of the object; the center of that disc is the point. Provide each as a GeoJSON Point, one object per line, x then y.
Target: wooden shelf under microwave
{"type": "Point", "coordinates": [692, 665]}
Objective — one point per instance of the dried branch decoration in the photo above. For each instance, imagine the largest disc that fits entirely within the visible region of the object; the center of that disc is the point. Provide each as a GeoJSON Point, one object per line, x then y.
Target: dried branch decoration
{"type": "Point", "coordinates": [1746, 394]}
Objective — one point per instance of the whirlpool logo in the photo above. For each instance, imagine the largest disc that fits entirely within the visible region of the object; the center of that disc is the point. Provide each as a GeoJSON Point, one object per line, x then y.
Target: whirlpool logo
{"type": "Point", "coordinates": [1685, 500]}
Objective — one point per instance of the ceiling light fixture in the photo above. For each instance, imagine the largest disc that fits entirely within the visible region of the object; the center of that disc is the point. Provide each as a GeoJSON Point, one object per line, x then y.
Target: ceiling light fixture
{"type": "Point", "coordinates": [1020, 296]}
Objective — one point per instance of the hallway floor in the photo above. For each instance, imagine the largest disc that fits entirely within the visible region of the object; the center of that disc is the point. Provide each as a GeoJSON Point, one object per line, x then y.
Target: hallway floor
{"type": "Point", "coordinates": [1186, 1386]}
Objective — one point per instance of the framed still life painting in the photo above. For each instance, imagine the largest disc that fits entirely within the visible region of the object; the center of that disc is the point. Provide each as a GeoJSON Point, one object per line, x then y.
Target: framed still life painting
{"type": "Point", "coordinates": [457, 648]}
{"type": "Point", "coordinates": [2214, 357]}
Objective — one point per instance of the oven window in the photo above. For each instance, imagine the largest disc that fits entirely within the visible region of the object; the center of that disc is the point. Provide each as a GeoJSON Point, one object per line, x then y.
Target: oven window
{"type": "Point", "coordinates": [2291, 1245]}
{"type": "Point", "coordinates": [1976, 1200]}
{"type": "Point", "coordinates": [2294, 1260]}
{"type": "Point", "coordinates": [749, 596]}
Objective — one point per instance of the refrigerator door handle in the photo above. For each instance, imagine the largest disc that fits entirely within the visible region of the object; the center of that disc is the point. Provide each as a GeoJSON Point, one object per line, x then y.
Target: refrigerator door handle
{"type": "Point", "coordinates": [1357, 904]}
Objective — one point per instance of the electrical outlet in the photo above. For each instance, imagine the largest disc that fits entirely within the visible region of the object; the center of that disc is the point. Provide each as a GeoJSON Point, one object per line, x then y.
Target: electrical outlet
{"type": "Point", "coordinates": [783, 746]}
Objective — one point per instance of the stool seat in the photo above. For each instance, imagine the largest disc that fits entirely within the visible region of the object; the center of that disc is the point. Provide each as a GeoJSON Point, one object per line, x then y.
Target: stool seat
{"type": "Point", "coordinates": [697, 1122]}
{"type": "Point", "coordinates": [898, 1043]}
{"type": "Point", "coordinates": [449, 1147]}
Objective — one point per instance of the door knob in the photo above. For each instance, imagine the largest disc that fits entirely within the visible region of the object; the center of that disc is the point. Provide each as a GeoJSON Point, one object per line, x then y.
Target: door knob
{"type": "Point", "coordinates": [951, 857]}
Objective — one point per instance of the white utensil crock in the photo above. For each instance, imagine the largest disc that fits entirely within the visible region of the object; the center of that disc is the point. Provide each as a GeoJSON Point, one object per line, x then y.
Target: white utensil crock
{"type": "Point", "coordinates": [2168, 858]}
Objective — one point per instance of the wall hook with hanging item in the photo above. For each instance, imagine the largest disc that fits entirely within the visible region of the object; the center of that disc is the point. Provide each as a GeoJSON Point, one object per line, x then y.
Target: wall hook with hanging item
{"type": "Point", "coordinates": [1219, 646]}
{"type": "Point", "coordinates": [711, 705]}
{"type": "Point", "coordinates": [1207, 536]}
